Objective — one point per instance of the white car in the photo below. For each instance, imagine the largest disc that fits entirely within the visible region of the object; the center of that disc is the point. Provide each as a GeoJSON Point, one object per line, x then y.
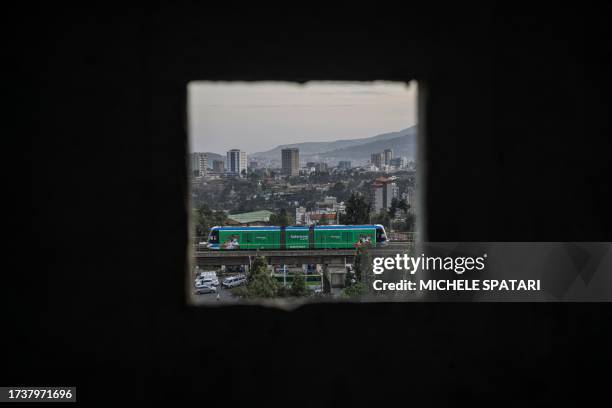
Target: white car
{"type": "Point", "coordinates": [208, 275]}
{"type": "Point", "coordinates": [234, 281]}
{"type": "Point", "coordinates": [206, 282]}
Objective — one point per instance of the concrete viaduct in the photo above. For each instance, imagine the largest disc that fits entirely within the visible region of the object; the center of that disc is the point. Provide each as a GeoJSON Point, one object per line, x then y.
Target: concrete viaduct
{"type": "Point", "coordinates": [333, 261]}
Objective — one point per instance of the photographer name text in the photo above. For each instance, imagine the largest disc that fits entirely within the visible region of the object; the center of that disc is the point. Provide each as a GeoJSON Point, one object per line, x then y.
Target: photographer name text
{"type": "Point", "coordinates": [458, 265]}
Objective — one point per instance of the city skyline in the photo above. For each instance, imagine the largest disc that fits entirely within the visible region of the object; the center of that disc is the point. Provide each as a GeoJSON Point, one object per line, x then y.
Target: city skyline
{"type": "Point", "coordinates": [255, 117]}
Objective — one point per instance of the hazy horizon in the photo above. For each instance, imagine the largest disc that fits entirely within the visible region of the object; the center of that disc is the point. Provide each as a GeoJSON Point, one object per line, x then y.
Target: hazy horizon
{"type": "Point", "coordinates": [259, 116]}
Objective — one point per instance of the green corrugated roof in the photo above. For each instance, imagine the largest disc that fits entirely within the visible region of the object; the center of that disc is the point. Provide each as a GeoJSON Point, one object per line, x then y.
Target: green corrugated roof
{"type": "Point", "coordinates": [255, 216]}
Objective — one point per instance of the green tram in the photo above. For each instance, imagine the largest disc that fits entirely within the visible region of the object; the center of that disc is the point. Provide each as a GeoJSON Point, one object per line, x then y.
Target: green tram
{"type": "Point", "coordinates": [295, 237]}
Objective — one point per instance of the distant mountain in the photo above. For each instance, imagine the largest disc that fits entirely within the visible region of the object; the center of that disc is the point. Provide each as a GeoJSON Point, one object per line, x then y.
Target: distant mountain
{"type": "Point", "coordinates": [403, 143]}
{"type": "Point", "coordinates": [402, 146]}
{"type": "Point", "coordinates": [214, 156]}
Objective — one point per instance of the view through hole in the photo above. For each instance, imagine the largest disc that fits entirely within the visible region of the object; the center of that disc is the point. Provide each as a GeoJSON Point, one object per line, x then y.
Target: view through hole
{"type": "Point", "coordinates": [295, 188]}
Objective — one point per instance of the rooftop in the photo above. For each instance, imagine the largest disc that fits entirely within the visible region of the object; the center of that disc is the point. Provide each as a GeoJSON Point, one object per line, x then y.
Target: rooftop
{"type": "Point", "coordinates": [249, 217]}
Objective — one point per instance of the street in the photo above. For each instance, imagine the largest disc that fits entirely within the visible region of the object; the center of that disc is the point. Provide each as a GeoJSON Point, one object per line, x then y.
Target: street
{"type": "Point", "coordinates": [225, 296]}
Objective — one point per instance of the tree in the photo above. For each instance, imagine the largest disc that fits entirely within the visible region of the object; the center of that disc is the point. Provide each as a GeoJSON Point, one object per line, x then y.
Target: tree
{"type": "Point", "coordinates": [260, 283]}
{"type": "Point", "coordinates": [410, 222]}
{"type": "Point", "coordinates": [355, 290]}
{"type": "Point", "coordinates": [403, 205]}
{"type": "Point", "coordinates": [407, 224]}
{"type": "Point", "coordinates": [382, 217]}
{"type": "Point", "coordinates": [254, 177]}
{"type": "Point", "coordinates": [298, 286]}
{"type": "Point", "coordinates": [363, 262]}
{"type": "Point", "coordinates": [258, 264]}
{"type": "Point", "coordinates": [394, 207]}
{"type": "Point", "coordinates": [357, 210]}
{"type": "Point", "coordinates": [205, 218]}
{"type": "Point", "coordinates": [338, 190]}
{"type": "Point", "coordinates": [281, 219]}
{"type": "Point", "coordinates": [283, 291]}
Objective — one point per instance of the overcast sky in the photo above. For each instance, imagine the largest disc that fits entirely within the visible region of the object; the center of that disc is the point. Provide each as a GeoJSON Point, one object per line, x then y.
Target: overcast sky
{"type": "Point", "coordinates": [258, 116]}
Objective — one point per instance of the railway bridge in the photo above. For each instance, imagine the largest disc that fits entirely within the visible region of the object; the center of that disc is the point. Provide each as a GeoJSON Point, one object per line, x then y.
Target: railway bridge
{"type": "Point", "coordinates": [333, 261]}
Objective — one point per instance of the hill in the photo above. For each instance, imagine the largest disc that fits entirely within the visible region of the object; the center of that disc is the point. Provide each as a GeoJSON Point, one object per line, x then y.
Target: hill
{"type": "Point", "coordinates": [402, 142]}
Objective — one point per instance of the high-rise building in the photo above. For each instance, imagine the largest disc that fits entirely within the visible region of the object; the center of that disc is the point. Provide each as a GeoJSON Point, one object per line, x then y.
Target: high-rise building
{"type": "Point", "coordinates": [388, 155]}
{"type": "Point", "coordinates": [321, 167]}
{"type": "Point", "coordinates": [378, 160]}
{"type": "Point", "coordinates": [236, 161]}
{"type": "Point", "coordinates": [218, 166]}
{"type": "Point", "coordinates": [398, 162]}
{"type": "Point", "coordinates": [199, 164]}
{"type": "Point", "coordinates": [344, 165]}
{"type": "Point", "coordinates": [290, 161]}
{"type": "Point", "coordinates": [385, 191]}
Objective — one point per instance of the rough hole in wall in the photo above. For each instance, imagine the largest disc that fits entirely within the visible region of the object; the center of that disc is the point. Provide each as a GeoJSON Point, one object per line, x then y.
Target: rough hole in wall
{"type": "Point", "coordinates": [296, 188]}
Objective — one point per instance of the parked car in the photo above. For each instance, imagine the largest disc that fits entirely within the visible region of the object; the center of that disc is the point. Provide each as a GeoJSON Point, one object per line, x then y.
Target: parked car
{"type": "Point", "coordinates": [206, 282]}
{"type": "Point", "coordinates": [233, 281]}
{"type": "Point", "coordinates": [208, 276]}
{"type": "Point", "coordinates": [205, 289]}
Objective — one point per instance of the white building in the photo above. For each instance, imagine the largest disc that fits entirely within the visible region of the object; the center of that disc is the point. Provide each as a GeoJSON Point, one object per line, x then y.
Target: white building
{"type": "Point", "coordinates": [306, 171]}
{"type": "Point", "coordinates": [236, 161]}
{"type": "Point", "coordinates": [199, 164]}
{"type": "Point", "coordinates": [385, 191]}
{"type": "Point", "coordinates": [325, 212]}
{"type": "Point", "coordinates": [317, 216]}
{"type": "Point", "coordinates": [398, 162]}
{"type": "Point", "coordinates": [388, 153]}
{"type": "Point", "coordinates": [378, 160]}
{"type": "Point", "coordinates": [330, 203]}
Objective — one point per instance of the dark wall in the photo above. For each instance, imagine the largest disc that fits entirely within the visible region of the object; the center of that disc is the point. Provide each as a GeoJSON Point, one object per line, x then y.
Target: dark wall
{"type": "Point", "coordinates": [517, 120]}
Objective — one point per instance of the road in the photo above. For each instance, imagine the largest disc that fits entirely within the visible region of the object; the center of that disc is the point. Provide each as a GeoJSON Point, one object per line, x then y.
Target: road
{"type": "Point", "coordinates": [225, 295]}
